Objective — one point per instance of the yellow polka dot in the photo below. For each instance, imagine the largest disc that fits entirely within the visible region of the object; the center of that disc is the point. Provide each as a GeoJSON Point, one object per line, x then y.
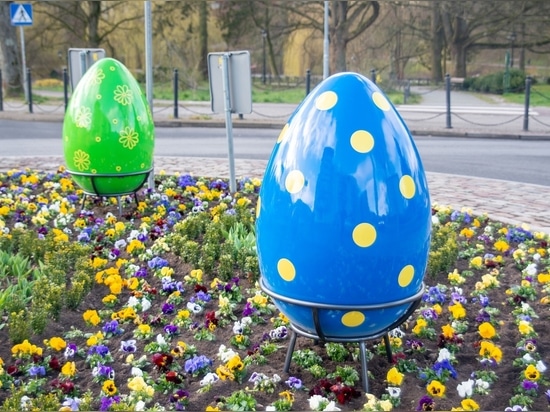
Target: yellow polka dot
{"type": "Point", "coordinates": [112, 68]}
{"type": "Point", "coordinates": [138, 118]}
{"type": "Point", "coordinates": [286, 269]}
{"type": "Point", "coordinates": [362, 141]}
{"type": "Point", "coordinates": [406, 276]}
{"type": "Point", "coordinates": [98, 96]}
{"type": "Point", "coordinates": [353, 319]}
{"type": "Point", "coordinates": [118, 168]}
{"type": "Point", "coordinates": [326, 100]}
{"type": "Point", "coordinates": [142, 165]}
{"type": "Point", "coordinates": [364, 234]}
{"type": "Point", "coordinates": [258, 206]}
{"type": "Point", "coordinates": [115, 121]}
{"type": "Point", "coordinates": [407, 186]}
{"type": "Point", "coordinates": [98, 139]}
{"type": "Point", "coordinates": [380, 101]}
{"type": "Point", "coordinates": [294, 182]}
{"type": "Point", "coordinates": [282, 135]}
{"type": "Point", "coordinates": [94, 171]}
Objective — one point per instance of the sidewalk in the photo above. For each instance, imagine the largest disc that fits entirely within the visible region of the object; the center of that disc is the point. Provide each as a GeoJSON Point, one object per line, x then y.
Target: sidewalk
{"type": "Point", "coordinates": [510, 202]}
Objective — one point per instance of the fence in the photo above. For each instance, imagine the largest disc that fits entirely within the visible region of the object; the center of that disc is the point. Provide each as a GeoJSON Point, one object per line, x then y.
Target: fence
{"type": "Point", "coordinates": [448, 111]}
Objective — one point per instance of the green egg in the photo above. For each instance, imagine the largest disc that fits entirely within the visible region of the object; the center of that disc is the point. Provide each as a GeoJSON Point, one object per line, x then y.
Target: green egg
{"type": "Point", "coordinates": [108, 131]}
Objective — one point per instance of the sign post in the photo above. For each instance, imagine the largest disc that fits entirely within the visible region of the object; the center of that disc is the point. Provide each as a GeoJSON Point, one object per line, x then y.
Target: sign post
{"type": "Point", "coordinates": [80, 60]}
{"type": "Point", "coordinates": [230, 91]}
{"type": "Point", "coordinates": [21, 15]}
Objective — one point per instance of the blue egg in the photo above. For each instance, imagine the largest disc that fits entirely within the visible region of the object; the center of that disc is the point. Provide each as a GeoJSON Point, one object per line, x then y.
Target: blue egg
{"type": "Point", "coordinates": [344, 215]}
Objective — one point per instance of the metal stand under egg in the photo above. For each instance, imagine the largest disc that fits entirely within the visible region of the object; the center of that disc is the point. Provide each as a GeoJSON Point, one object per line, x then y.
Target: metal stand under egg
{"type": "Point", "coordinates": [318, 335]}
{"type": "Point", "coordinates": [96, 192]}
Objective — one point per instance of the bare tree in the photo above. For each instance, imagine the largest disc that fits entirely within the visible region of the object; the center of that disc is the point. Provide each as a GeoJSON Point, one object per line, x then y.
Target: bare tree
{"type": "Point", "coordinates": [348, 20]}
{"type": "Point", "coordinates": [12, 77]}
{"type": "Point", "coordinates": [89, 23]}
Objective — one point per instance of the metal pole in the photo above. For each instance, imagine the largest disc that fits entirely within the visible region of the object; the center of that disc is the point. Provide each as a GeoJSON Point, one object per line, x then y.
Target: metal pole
{"type": "Point", "coordinates": [228, 122]}
{"type": "Point", "coordinates": [527, 99]}
{"type": "Point", "coordinates": [65, 88]}
{"type": "Point", "coordinates": [83, 63]}
{"type": "Point", "coordinates": [326, 42]}
{"type": "Point", "coordinates": [373, 75]}
{"type": "Point", "coordinates": [176, 93]}
{"type": "Point", "coordinates": [148, 55]}
{"type": "Point", "coordinates": [264, 70]}
{"type": "Point", "coordinates": [24, 61]}
{"type": "Point", "coordinates": [149, 72]}
{"type": "Point", "coordinates": [1, 93]}
{"type": "Point", "coordinates": [308, 81]}
{"type": "Point", "coordinates": [29, 88]}
{"type": "Point", "coordinates": [448, 99]}
{"type": "Point", "coordinates": [406, 91]}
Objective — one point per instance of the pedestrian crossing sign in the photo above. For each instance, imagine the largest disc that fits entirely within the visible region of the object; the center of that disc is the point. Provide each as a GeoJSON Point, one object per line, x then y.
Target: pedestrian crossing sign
{"type": "Point", "coordinates": [21, 14]}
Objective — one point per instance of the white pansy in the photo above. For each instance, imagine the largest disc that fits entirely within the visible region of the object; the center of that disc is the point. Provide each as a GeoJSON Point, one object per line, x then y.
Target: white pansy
{"type": "Point", "coordinates": [466, 388]}
{"type": "Point", "coordinates": [444, 354]}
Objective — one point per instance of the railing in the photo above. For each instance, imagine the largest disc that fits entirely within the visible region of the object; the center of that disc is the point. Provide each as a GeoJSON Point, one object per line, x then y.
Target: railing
{"type": "Point", "coordinates": [450, 86]}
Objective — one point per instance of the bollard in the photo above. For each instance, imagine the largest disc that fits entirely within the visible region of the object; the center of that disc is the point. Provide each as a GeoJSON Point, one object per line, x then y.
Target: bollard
{"type": "Point", "coordinates": [29, 88]}
{"type": "Point", "coordinates": [406, 91]}
{"type": "Point", "coordinates": [65, 88]}
{"type": "Point", "coordinates": [308, 81]}
{"type": "Point", "coordinates": [527, 98]}
{"type": "Point", "coordinates": [448, 99]}
{"type": "Point", "coordinates": [1, 93]}
{"type": "Point", "coordinates": [176, 94]}
{"type": "Point", "coordinates": [373, 75]}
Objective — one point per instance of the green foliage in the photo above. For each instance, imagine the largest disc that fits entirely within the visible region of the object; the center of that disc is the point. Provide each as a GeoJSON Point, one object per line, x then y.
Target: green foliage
{"type": "Point", "coordinates": [190, 252]}
{"type": "Point", "coordinates": [19, 326]}
{"type": "Point", "coordinates": [240, 401]}
{"type": "Point", "coordinates": [226, 267]}
{"type": "Point", "coordinates": [42, 402]}
{"type": "Point", "coordinates": [336, 351]}
{"type": "Point", "coordinates": [193, 226]}
{"type": "Point", "coordinates": [443, 251]}
{"type": "Point", "coordinates": [347, 373]}
{"type": "Point", "coordinates": [494, 82]}
{"type": "Point", "coordinates": [252, 268]}
{"type": "Point", "coordinates": [306, 358]}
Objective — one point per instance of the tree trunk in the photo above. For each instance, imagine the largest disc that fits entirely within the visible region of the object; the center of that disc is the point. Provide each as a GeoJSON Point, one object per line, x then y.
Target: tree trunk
{"type": "Point", "coordinates": [438, 37]}
{"type": "Point", "coordinates": [11, 74]}
{"type": "Point", "coordinates": [203, 39]}
{"type": "Point", "coordinates": [93, 23]}
{"type": "Point", "coordinates": [338, 40]}
{"type": "Point", "coordinates": [459, 52]}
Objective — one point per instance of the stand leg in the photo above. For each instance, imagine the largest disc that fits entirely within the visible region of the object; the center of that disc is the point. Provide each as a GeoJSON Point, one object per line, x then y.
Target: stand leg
{"type": "Point", "coordinates": [364, 369]}
{"type": "Point", "coordinates": [290, 351]}
{"type": "Point", "coordinates": [388, 348]}
{"type": "Point", "coordinates": [83, 202]}
{"type": "Point", "coordinates": [119, 206]}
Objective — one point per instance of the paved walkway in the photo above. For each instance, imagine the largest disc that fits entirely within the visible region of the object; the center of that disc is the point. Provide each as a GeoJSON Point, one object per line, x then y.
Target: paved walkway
{"type": "Point", "coordinates": [510, 202]}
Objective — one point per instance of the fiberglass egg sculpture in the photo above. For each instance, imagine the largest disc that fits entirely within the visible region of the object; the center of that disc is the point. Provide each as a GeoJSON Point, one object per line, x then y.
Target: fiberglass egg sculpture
{"type": "Point", "coordinates": [344, 217]}
{"type": "Point", "coordinates": [108, 131]}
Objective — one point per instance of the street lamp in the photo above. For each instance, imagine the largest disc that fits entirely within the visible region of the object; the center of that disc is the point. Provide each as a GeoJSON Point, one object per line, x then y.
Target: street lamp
{"type": "Point", "coordinates": [512, 38]}
{"type": "Point", "coordinates": [264, 36]}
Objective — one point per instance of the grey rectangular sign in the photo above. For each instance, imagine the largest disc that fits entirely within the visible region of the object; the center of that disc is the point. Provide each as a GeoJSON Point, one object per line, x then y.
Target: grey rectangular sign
{"type": "Point", "coordinates": [79, 62]}
{"type": "Point", "coordinates": [240, 83]}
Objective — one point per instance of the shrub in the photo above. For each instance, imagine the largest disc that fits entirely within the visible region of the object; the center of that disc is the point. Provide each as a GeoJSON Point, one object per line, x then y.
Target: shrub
{"type": "Point", "coordinates": [494, 82]}
{"type": "Point", "coordinates": [443, 251]}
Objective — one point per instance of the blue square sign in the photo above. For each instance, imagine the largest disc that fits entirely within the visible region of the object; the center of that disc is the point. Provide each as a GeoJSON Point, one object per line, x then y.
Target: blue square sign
{"type": "Point", "coordinates": [21, 14]}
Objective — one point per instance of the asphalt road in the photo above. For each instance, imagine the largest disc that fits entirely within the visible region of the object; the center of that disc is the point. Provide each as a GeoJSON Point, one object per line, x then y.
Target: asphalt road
{"type": "Point", "coordinates": [523, 161]}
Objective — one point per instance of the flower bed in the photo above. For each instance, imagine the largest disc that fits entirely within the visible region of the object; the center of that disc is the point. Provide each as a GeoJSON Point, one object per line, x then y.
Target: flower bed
{"type": "Point", "coordinates": [160, 309]}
